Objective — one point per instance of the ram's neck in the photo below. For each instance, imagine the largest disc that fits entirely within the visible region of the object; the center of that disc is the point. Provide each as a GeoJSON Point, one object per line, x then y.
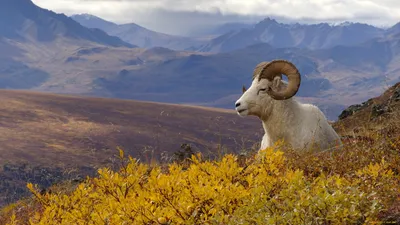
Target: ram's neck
{"type": "Point", "coordinates": [282, 116]}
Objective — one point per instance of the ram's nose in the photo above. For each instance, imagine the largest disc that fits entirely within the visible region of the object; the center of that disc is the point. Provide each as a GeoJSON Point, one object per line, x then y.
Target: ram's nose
{"type": "Point", "coordinates": [237, 104]}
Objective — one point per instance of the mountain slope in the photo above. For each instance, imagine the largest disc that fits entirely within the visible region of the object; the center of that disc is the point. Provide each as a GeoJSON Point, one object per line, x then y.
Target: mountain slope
{"type": "Point", "coordinates": [24, 21]}
{"type": "Point", "coordinates": [314, 36]}
{"type": "Point", "coordinates": [207, 77]}
{"type": "Point", "coordinates": [215, 80]}
{"type": "Point", "coordinates": [33, 39]}
{"type": "Point", "coordinates": [216, 30]}
{"type": "Point", "coordinates": [92, 21]}
{"type": "Point", "coordinates": [139, 35]}
{"type": "Point", "coordinates": [332, 78]}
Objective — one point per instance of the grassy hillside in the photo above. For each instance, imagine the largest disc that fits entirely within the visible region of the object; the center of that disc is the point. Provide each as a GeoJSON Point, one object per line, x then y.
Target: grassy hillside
{"type": "Point", "coordinates": [359, 184]}
{"type": "Point", "coordinates": [40, 131]}
{"type": "Point", "coordinates": [380, 114]}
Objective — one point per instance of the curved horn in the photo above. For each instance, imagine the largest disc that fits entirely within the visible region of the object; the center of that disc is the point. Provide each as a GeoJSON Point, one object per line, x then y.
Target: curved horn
{"type": "Point", "coordinates": [276, 68]}
{"type": "Point", "coordinates": [258, 69]}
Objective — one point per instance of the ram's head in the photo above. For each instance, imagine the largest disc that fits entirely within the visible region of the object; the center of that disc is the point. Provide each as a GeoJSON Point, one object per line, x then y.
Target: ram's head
{"type": "Point", "coordinates": [267, 87]}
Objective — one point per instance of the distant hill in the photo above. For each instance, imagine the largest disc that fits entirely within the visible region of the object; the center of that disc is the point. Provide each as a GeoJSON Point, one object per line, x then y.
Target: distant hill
{"type": "Point", "coordinates": [139, 35]}
{"type": "Point", "coordinates": [205, 78]}
{"type": "Point", "coordinates": [313, 36]}
{"type": "Point", "coordinates": [332, 78]}
{"type": "Point", "coordinates": [24, 21]}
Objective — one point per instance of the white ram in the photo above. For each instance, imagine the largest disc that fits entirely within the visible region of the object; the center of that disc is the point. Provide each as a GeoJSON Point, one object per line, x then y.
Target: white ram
{"type": "Point", "coordinates": [283, 118]}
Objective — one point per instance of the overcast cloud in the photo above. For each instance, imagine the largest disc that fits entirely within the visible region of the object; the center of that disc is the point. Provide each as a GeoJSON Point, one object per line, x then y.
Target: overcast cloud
{"type": "Point", "coordinates": [183, 16]}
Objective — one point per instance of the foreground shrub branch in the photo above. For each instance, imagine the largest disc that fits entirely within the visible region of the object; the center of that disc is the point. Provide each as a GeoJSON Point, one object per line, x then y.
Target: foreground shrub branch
{"type": "Point", "coordinates": [263, 191]}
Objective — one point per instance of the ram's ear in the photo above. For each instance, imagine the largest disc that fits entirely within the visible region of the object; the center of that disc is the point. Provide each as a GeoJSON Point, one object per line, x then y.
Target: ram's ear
{"type": "Point", "coordinates": [277, 83]}
{"type": "Point", "coordinates": [244, 89]}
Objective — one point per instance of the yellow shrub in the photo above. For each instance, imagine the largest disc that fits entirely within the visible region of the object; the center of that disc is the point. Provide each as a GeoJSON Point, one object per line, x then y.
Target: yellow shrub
{"type": "Point", "coordinates": [264, 191]}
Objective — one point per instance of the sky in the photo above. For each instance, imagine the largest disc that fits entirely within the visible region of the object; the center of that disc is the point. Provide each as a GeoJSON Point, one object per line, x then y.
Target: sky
{"type": "Point", "coordinates": [182, 17]}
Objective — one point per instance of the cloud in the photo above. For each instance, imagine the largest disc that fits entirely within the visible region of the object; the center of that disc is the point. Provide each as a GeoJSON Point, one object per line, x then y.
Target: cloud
{"type": "Point", "coordinates": [182, 16]}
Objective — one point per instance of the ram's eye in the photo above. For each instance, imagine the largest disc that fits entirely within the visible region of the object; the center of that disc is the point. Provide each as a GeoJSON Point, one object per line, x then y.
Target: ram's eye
{"type": "Point", "coordinates": [262, 89]}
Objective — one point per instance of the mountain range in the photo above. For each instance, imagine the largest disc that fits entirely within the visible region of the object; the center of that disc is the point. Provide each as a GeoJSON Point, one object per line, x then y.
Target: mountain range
{"type": "Point", "coordinates": [24, 21]}
{"type": "Point", "coordinates": [45, 51]}
{"type": "Point", "coordinates": [234, 36]}
{"type": "Point", "coordinates": [312, 36]}
{"type": "Point", "coordinates": [140, 36]}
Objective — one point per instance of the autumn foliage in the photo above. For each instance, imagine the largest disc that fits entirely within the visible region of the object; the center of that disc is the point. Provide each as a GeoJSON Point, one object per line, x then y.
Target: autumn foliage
{"type": "Point", "coordinates": [268, 188]}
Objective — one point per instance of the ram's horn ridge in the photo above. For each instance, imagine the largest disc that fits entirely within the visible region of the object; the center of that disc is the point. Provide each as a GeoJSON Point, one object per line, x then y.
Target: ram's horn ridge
{"type": "Point", "coordinates": [276, 68]}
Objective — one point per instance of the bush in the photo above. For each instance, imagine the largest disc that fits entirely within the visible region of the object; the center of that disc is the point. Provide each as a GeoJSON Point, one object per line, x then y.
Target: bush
{"type": "Point", "coordinates": [265, 189]}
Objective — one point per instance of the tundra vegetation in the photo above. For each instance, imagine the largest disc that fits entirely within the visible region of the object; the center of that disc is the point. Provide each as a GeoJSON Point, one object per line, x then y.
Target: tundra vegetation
{"type": "Point", "coordinates": [357, 184]}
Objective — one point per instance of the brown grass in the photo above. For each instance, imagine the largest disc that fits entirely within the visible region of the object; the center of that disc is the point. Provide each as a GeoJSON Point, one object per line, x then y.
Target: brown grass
{"type": "Point", "coordinates": [365, 122]}
{"type": "Point", "coordinates": [55, 129]}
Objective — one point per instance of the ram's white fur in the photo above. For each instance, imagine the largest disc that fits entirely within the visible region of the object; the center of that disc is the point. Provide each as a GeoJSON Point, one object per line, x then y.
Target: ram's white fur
{"type": "Point", "coordinates": [300, 125]}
